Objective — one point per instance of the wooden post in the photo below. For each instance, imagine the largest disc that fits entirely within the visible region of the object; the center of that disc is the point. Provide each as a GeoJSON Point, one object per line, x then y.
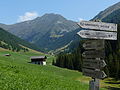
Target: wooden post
{"type": "Point", "coordinates": [91, 85]}
{"type": "Point", "coordinates": [94, 84]}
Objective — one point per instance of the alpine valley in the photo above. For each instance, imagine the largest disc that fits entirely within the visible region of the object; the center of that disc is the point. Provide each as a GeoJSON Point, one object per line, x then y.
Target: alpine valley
{"type": "Point", "coordinates": [50, 31]}
{"type": "Point", "coordinates": [53, 31]}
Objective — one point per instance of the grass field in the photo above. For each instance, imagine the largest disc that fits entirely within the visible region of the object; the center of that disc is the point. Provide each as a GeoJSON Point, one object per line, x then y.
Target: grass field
{"type": "Point", "coordinates": [17, 74]}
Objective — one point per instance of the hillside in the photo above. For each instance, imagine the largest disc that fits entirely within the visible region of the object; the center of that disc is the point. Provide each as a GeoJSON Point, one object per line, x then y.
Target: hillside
{"type": "Point", "coordinates": [12, 42]}
{"type": "Point", "coordinates": [50, 31]}
{"type": "Point", "coordinates": [17, 73]}
{"type": "Point", "coordinates": [111, 14]}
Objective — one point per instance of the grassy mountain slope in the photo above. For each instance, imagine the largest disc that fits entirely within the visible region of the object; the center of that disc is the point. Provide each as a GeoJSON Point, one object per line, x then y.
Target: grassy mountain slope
{"type": "Point", "coordinates": [13, 42]}
{"type": "Point", "coordinates": [44, 31]}
{"type": "Point", "coordinates": [114, 17]}
{"type": "Point", "coordinates": [55, 43]}
{"type": "Point", "coordinates": [16, 73]}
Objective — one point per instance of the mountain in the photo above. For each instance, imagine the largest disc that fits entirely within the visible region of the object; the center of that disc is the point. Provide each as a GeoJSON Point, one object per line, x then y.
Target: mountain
{"type": "Point", "coordinates": [12, 42]}
{"type": "Point", "coordinates": [111, 14]}
{"type": "Point", "coordinates": [49, 31]}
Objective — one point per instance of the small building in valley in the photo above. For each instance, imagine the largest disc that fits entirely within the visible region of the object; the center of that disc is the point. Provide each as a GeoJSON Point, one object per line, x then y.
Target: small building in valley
{"type": "Point", "coordinates": [7, 54]}
{"type": "Point", "coordinates": [40, 60]}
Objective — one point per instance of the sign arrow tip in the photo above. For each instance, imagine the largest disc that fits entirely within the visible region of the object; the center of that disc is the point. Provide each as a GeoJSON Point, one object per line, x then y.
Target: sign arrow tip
{"type": "Point", "coordinates": [103, 75]}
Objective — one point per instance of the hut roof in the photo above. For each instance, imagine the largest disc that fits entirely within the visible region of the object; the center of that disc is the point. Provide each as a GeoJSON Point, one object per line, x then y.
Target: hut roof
{"type": "Point", "coordinates": [7, 54]}
{"type": "Point", "coordinates": [38, 57]}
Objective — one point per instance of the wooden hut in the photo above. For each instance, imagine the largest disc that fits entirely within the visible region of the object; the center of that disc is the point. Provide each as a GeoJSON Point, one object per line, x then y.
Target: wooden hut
{"type": "Point", "coordinates": [41, 60]}
{"type": "Point", "coordinates": [7, 54]}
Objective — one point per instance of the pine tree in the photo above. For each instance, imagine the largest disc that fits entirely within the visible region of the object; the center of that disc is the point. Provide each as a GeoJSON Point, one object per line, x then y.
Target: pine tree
{"type": "Point", "coordinates": [53, 62]}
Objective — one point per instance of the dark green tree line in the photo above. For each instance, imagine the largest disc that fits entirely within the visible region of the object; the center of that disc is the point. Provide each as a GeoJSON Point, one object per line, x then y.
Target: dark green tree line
{"type": "Point", "coordinates": [70, 60]}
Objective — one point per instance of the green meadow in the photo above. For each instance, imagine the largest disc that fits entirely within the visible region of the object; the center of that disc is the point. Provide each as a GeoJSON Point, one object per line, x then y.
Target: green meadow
{"type": "Point", "coordinates": [17, 74]}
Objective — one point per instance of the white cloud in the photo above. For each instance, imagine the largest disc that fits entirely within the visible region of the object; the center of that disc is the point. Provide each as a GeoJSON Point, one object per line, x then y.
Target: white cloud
{"type": "Point", "coordinates": [28, 16]}
{"type": "Point", "coordinates": [80, 19]}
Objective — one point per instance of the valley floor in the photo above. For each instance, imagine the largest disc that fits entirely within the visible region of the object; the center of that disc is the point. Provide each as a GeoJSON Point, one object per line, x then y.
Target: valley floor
{"type": "Point", "coordinates": [17, 74]}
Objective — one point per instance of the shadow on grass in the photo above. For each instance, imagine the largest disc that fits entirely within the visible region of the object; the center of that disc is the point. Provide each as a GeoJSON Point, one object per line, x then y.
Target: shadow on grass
{"type": "Point", "coordinates": [113, 82]}
{"type": "Point", "coordinates": [113, 88]}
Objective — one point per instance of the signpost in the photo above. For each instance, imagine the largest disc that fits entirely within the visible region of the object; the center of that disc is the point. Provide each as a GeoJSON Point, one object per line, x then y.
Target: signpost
{"type": "Point", "coordinates": [93, 60]}
{"type": "Point", "coordinates": [93, 64]}
{"type": "Point", "coordinates": [98, 25]}
{"type": "Point", "coordinates": [93, 73]}
{"type": "Point", "coordinates": [98, 34]}
{"type": "Point", "coordinates": [94, 44]}
{"type": "Point", "coordinates": [94, 54]}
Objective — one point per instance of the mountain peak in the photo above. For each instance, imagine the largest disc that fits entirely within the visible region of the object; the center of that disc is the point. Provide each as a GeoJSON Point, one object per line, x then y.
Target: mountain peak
{"type": "Point", "coordinates": [51, 16]}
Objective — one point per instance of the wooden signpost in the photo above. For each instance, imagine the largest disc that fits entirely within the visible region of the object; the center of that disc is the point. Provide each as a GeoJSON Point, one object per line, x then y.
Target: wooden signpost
{"type": "Point", "coordinates": [98, 34]}
{"type": "Point", "coordinates": [93, 58]}
{"type": "Point", "coordinates": [93, 73]}
{"type": "Point", "coordinates": [94, 44]}
{"type": "Point", "coordinates": [94, 54]}
{"type": "Point", "coordinates": [93, 64]}
{"type": "Point", "coordinates": [98, 25]}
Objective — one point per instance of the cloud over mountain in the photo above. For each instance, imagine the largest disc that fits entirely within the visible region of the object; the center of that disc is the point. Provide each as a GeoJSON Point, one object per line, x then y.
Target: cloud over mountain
{"type": "Point", "coordinates": [28, 16]}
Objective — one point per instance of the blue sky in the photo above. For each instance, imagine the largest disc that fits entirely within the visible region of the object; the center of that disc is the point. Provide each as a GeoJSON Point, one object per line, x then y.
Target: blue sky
{"type": "Point", "coordinates": [12, 11]}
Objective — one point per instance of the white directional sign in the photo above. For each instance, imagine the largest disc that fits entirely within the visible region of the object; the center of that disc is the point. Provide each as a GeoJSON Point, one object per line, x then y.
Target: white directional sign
{"type": "Point", "coordinates": [94, 73]}
{"type": "Point", "coordinates": [98, 34]}
{"type": "Point", "coordinates": [98, 25]}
